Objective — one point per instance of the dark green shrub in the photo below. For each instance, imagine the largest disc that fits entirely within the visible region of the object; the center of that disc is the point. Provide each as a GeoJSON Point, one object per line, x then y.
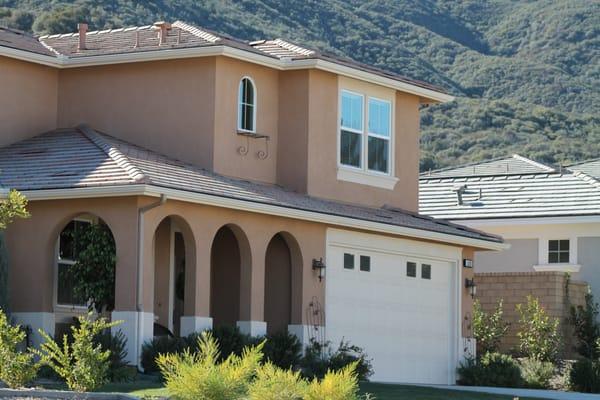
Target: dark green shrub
{"type": "Point", "coordinates": [283, 349]}
{"type": "Point", "coordinates": [118, 369]}
{"type": "Point", "coordinates": [160, 345]}
{"type": "Point", "coordinates": [492, 369]}
{"type": "Point", "coordinates": [585, 376]}
{"type": "Point", "coordinates": [586, 327]}
{"type": "Point", "coordinates": [230, 340]}
{"type": "Point", "coordinates": [537, 374]}
{"type": "Point", "coordinates": [319, 358]}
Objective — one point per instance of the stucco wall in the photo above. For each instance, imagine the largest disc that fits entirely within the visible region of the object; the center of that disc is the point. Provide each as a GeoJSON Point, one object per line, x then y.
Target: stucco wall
{"type": "Point", "coordinates": [28, 100]}
{"type": "Point", "coordinates": [520, 257]}
{"type": "Point", "coordinates": [513, 288]}
{"type": "Point", "coordinates": [588, 254]}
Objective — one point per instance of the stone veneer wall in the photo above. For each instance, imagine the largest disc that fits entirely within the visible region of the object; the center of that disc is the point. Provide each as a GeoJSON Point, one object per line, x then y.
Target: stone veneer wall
{"type": "Point", "coordinates": [513, 287]}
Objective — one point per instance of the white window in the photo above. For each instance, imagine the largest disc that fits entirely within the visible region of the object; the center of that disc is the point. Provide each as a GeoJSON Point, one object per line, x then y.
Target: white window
{"type": "Point", "coordinates": [69, 247]}
{"type": "Point", "coordinates": [247, 106]}
{"type": "Point", "coordinates": [362, 137]}
{"type": "Point", "coordinates": [558, 251]}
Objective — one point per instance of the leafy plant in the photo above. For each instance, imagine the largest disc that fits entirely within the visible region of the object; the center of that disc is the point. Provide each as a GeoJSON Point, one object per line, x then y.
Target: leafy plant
{"type": "Point", "coordinates": [335, 385]}
{"type": "Point", "coordinates": [82, 364]}
{"type": "Point", "coordinates": [14, 206]}
{"type": "Point", "coordinates": [319, 359]}
{"type": "Point", "coordinates": [16, 367]}
{"type": "Point", "coordinates": [274, 383]}
{"type": "Point", "coordinates": [488, 329]}
{"type": "Point", "coordinates": [200, 376]}
{"type": "Point", "coordinates": [231, 340]}
{"type": "Point", "coordinates": [161, 345]}
{"type": "Point", "coordinates": [94, 271]}
{"type": "Point", "coordinates": [538, 334]}
{"type": "Point", "coordinates": [585, 376]}
{"type": "Point", "coordinates": [492, 369]}
{"type": "Point", "coordinates": [537, 374]}
{"type": "Point", "coordinates": [584, 320]}
{"type": "Point", "coordinates": [118, 369]}
{"type": "Point", "coordinates": [283, 349]}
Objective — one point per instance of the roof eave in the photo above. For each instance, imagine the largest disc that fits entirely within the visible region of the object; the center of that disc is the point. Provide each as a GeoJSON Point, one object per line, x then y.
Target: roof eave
{"type": "Point", "coordinates": [256, 207]}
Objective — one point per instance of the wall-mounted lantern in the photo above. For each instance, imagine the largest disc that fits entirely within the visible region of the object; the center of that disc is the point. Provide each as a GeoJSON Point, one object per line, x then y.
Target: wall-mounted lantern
{"type": "Point", "coordinates": [467, 263]}
{"type": "Point", "coordinates": [471, 286]}
{"type": "Point", "coordinates": [319, 265]}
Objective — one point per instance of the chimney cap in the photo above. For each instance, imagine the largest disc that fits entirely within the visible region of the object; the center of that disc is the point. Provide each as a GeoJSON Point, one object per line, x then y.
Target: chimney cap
{"type": "Point", "coordinates": [82, 26]}
{"type": "Point", "coordinates": [162, 24]}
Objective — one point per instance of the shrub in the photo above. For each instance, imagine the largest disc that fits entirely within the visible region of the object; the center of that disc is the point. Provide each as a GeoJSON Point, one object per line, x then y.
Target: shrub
{"type": "Point", "coordinates": [161, 345]}
{"type": "Point", "coordinates": [538, 332]}
{"type": "Point", "coordinates": [231, 340]}
{"type": "Point", "coordinates": [82, 364]}
{"type": "Point", "coordinates": [283, 349]}
{"type": "Point", "coordinates": [319, 359]}
{"type": "Point", "coordinates": [488, 329]}
{"type": "Point", "coordinates": [273, 383]}
{"type": "Point", "coordinates": [16, 368]}
{"type": "Point", "coordinates": [200, 376]}
{"type": "Point", "coordinates": [536, 374]}
{"type": "Point", "coordinates": [118, 369]}
{"type": "Point", "coordinates": [335, 385]}
{"type": "Point", "coordinates": [492, 369]}
{"type": "Point", "coordinates": [586, 327]}
{"type": "Point", "coordinates": [585, 376]}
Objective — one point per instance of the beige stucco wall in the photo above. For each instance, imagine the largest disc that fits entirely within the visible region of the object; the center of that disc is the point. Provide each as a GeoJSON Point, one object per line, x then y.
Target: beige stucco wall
{"type": "Point", "coordinates": [28, 100]}
{"type": "Point", "coordinates": [165, 106]}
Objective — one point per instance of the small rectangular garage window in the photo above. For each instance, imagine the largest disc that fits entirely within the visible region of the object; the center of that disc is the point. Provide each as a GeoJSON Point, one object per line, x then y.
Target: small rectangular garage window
{"type": "Point", "coordinates": [411, 269]}
{"type": "Point", "coordinates": [365, 263]}
{"type": "Point", "coordinates": [348, 261]}
{"type": "Point", "coordinates": [425, 271]}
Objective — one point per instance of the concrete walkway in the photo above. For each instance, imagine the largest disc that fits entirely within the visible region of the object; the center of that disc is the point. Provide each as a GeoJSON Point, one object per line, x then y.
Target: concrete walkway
{"type": "Point", "coordinates": [542, 394]}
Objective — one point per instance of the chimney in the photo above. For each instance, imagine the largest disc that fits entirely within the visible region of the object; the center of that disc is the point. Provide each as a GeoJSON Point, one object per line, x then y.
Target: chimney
{"type": "Point", "coordinates": [163, 27]}
{"type": "Point", "coordinates": [82, 28]}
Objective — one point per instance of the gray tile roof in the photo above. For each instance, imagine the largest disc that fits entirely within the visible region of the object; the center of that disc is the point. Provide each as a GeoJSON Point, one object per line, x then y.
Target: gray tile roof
{"type": "Point", "coordinates": [181, 35]}
{"type": "Point", "coordinates": [590, 167]}
{"type": "Point", "coordinates": [74, 158]}
{"type": "Point", "coordinates": [528, 189]}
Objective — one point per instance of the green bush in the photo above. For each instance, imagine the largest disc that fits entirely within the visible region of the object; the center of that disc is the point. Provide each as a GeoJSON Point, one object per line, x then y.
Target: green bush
{"type": "Point", "coordinates": [492, 369]}
{"type": "Point", "coordinates": [161, 345]}
{"type": "Point", "coordinates": [118, 369]}
{"type": "Point", "coordinates": [201, 376]}
{"type": "Point", "coordinates": [488, 329]}
{"type": "Point", "coordinates": [536, 374]}
{"type": "Point", "coordinates": [16, 367]}
{"type": "Point", "coordinates": [585, 376]}
{"type": "Point", "coordinates": [274, 383]}
{"type": "Point", "coordinates": [82, 364]}
{"type": "Point", "coordinates": [538, 334]}
{"type": "Point", "coordinates": [335, 385]}
{"type": "Point", "coordinates": [283, 349]}
{"type": "Point", "coordinates": [586, 328]}
{"type": "Point", "coordinates": [319, 359]}
{"type": "Point", "coordinates": [231, 340]}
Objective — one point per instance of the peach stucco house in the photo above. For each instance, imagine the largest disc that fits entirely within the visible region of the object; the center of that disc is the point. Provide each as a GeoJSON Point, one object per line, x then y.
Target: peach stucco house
{"type": "Point", "coordinates": [279, 183]}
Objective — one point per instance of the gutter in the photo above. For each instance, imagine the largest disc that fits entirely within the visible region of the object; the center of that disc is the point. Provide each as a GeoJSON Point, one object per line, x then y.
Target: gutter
{"type": "Point", "coordinates": [139, 275]}
{"type": "Point", "coordinates": [262, 208]}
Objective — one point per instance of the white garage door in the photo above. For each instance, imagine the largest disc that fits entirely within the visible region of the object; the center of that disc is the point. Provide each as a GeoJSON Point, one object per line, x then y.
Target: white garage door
{"type": "Point", "coordinates": [395, 299]}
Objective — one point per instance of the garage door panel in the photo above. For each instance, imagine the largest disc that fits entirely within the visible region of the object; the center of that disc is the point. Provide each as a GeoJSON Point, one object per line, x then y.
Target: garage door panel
{"type": "Point", "coordinates": [403, 323]}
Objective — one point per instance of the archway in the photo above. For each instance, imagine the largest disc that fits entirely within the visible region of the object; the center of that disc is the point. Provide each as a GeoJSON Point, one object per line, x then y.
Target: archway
{"type": "Point", "coordinates": [174, 255]}
{"type": "Point", "coordinates": [278, 285]}
{"type": "Point", "coordinates": [227, 255]}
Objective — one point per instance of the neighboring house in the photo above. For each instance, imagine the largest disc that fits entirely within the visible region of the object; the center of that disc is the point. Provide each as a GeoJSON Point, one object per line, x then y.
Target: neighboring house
{"type": "Point", "coordinates": [261, 184]}
{"type": "Point", "coordinates": [549, 216]}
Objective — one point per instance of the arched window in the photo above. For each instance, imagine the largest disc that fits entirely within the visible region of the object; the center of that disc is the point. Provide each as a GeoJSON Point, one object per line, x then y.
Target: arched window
{"type": "Point", "coordinates": [247, 106]}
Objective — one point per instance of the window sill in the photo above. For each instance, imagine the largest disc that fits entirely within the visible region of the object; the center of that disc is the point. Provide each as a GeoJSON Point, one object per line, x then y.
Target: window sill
{"type": "Point", "coordinates": [557, 267]}
{"type": "Point", "coordinates": [366, 178]}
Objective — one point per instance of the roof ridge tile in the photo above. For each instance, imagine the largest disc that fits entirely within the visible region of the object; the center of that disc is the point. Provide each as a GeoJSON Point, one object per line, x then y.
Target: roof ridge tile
{"type": "Point", "coordinates": [194, 30]}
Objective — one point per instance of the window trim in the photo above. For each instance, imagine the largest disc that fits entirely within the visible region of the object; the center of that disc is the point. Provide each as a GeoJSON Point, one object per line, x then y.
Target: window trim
{"type": "Point", "coordinates": [254, 106]}
{"type": "Point", "coordinates": [57, 261]}
{"type": "Point", "coordinates": [363, 175]}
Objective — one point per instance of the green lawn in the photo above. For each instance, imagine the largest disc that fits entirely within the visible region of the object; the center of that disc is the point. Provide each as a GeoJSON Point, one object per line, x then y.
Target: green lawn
{"type": "Point", "coordinates": [150, 389]}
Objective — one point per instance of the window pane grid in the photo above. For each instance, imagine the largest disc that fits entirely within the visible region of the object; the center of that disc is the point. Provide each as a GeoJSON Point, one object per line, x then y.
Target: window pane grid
{"type": "Point", "coordinates": [246, 104]}
{"type": "Point", "coordinates": [558, 251]}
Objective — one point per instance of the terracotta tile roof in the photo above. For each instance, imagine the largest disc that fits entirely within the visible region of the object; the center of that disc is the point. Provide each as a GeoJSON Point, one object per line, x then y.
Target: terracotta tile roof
{"type": "Point", "coordinates": [74, 158]}
{"type": "Point", "coordinates": [20, 40]}
{"type": "Point", "coordinates": [513, 187]}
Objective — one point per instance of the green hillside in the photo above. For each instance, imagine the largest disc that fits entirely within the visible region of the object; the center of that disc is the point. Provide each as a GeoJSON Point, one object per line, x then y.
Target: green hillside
{"type": "Point", "coordinates": [526, 73]}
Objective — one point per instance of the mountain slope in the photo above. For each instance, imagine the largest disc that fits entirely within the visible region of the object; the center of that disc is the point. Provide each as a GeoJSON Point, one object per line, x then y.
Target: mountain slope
{"type": "Point", "coordinates": [526, 73]}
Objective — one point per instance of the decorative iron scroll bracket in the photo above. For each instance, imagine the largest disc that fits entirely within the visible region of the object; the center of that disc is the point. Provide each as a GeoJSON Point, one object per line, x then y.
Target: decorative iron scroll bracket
{"type": "Point", "coordinates": [244, 149]}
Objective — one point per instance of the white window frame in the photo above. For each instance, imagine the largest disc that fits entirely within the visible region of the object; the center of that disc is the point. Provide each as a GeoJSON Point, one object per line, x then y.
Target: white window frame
{"type": "Point", "coordinates": [544, 252]}
{"type": "Point", "coordinates": [57, 261]}
{"type": "Point", "coordinates": [254, 106]}
{"type": "Point", "coordinates": [363, 175]}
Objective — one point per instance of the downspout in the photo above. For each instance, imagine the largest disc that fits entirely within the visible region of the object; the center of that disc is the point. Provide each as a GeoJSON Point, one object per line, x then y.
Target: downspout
{"type": "Point", "coordinates": [139, 307]}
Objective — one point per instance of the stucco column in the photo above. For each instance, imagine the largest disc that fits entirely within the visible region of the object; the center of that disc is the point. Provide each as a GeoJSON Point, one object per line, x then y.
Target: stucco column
{"type": "Point", "coordinates": [196, 316]}
{"type": "Point", "coordinates": [252, 285]}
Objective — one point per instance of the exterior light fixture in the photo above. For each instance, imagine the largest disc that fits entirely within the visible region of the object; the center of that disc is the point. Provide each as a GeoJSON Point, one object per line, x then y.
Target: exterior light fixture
{"type": "Point", "coordinates": [320, 266]}
{"type": "Point", "coordinates": [470, 284]}
{"type": "Point", "coordinates": [467, 263]}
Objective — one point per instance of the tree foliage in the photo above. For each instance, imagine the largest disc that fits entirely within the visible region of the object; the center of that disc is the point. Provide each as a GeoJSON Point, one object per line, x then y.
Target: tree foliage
{"type": "Point", "coordinates": [538, 333]}
{"type": "Point", "coordinates": [14, 206]}
{"type": "Point", "coordinates": [488, 329]}
{"type": "Point", "coordinates": [16, 367]}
